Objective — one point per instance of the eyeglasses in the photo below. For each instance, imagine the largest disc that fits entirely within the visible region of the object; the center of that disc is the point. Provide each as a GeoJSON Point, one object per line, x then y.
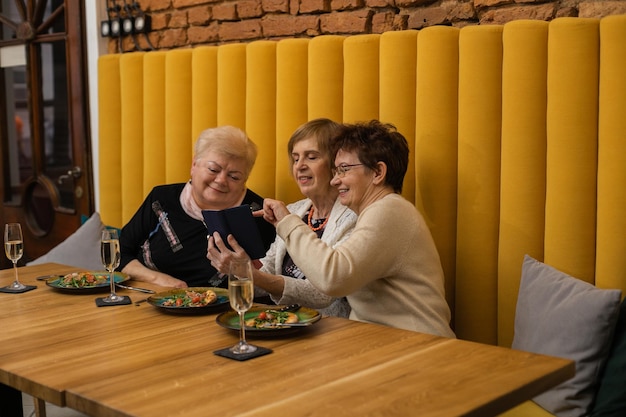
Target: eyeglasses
{"type": "Point", "coordinates": [341, 170]}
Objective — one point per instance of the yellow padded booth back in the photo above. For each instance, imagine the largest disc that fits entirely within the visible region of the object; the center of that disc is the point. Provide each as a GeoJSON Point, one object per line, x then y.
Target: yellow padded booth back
{"type": "Point", "coordinates": [398, 75]}
{"type": "Point", "coordinates": [261, 112]}
{"type": "Point", "coordinates": [178, 138]}
{"type": "Point", "coordinates": [292, 66]}
{"type": "Point", "coordinates": [523, 160]}
{"type": "Point", "coordinates": [109, 147]}
{"type": "Point", "coordinates": [131, 84]}
{"type": "Point", "coordinates": [516, 134]}
{"type": "Point", "coordinates": [611, 239]}
{"type": "Point", "coordinates": [480, 92]}
{"type": "Point", "coordinates": [204, 89]}
{"type": "Point", "coordinates": [436, 144]}
{"type": "Point", "coordinates": [572, 152]}
{"type": "Point", "coordinates": [360, 89]}
{"type": "Point", "coordinates": [153, 121]}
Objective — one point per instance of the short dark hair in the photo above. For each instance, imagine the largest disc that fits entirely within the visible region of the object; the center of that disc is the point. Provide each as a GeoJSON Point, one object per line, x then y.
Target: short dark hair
{"type": "Point", "coordinates": [375, 142]}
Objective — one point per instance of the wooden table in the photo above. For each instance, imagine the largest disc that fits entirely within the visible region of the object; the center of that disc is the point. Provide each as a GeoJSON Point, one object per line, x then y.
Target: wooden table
{"type": "Point", "coordinates": [135, 360]}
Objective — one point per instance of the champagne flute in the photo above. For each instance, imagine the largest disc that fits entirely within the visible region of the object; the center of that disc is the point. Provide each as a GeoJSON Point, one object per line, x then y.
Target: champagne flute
{"type": "Point", "coordinates": [110, 251]}
{"type": "Point", "coordinates": [241, 293]}
{"type": "Point", "coordinates": [14, 249]}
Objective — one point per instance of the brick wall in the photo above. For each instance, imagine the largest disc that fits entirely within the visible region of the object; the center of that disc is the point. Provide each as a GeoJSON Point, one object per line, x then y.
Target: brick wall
{"type": "Point", "coordinates": [182, 23]}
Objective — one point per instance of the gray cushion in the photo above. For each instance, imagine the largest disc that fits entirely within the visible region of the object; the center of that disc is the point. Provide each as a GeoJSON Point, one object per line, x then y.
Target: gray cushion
{"type": "Point", "coordinates": [81, 249]}
{"type": "Point", "coordinates": [562, 316]}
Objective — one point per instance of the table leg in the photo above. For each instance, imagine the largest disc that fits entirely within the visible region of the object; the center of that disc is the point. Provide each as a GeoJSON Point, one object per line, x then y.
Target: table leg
{"type": "Point", "coordinates": [10, 402]}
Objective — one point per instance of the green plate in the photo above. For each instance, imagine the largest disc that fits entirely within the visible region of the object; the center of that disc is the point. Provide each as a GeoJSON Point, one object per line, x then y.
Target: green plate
{"type": "Point", "coordinates": [222, 301]}
{"type": "Point", "coordinates": [105, 286]}
{"type": "Point", "coordinates": [306, 316]}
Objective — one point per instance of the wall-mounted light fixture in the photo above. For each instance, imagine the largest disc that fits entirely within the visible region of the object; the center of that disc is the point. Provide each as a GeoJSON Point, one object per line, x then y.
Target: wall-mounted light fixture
{"type": "Point", "coordinates": [123, 20]}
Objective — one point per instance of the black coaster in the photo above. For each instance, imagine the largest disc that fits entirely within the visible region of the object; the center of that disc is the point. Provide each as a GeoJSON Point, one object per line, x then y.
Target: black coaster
{"type": "Point", "coordinates": [20, 290]}
{"type": "Point", "coordinates": [125, 300]}
{"type": "Point", "coordinates": [260, 351]}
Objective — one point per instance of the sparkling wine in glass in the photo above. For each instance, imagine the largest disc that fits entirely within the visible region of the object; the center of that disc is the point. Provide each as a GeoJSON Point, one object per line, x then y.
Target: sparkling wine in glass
{"type": "Point", "coordinates": [241, 294]}
{"type": "Point", "coordinates": [14, 249]}
{"type": "Point", "coordinates": [110, 251]}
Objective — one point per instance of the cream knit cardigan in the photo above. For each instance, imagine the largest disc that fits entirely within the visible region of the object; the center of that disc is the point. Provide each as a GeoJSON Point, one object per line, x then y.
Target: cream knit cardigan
{"type": "Point", "coordinates": [388, 267]}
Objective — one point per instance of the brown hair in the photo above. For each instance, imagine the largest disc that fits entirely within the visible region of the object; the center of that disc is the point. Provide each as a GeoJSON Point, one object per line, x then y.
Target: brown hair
{"type": "Point", "coordinates": [376, 142]}
{"type": "Point", "coordinates": [322, 130]}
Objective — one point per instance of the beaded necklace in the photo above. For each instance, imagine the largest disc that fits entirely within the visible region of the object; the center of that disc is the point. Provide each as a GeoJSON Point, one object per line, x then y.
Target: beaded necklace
{"type": "Point", "coordinates": [320, 227]}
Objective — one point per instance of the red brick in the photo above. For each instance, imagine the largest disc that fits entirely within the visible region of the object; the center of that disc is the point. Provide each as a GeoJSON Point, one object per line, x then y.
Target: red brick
{"type": "Point", "coordinates": [421, 18]}
{"type": "Point", "coordinates": [160, 20]}
{"type": "Point", "coordinates": [568, 12]}
{"type": "Point", "coordinates": [142, 40]}
{"type": "Point", "coordinates": [185, 3]}
{"type": "Point", "coordinates": [112, 46]}
{"type": "Point", "coordinates": [401, 22]}
{"type": "Point", "coordinates": [271, 6]}
{"type": "Point", "coordinates": [258, 19]}
{"type": "Point", "coordinates": [462, 11]}
{"type": "Point", "coordinates": [379, 3]}
{"type": "Point", "coordinates": [506, 14]}
{"type": "Point", "coordinates": [178, 19]}
{"type": "Point", "coordinates": [173, 38]}
{"type": "Point", "coordinates": [294, 7]}
{"type": "Point", "coordinates": [203, 34]}
{"type": "Point", "coordinates": [249, 8]}
{"type": "Point", "coordinates": [345, 22]}
{"type": "Point", "coordinates": [413, 3]}
{"type": "Point", "coordinates": [244, 30]}
{"type": "Point", "coordinates": [601, 8]}
{"type": "Point", "coordinates": [287, 25]}
{"type": "Point", "coordinates": [151, 5]}
{"type": "Point", "coordinates": [480, 4]}
{"type": "Point", "coordinates": [225, 11]}
{"type": "Point", "coordinates": [386, 21]}
{"type": "Point", "coordinates": [198, 16]}
{"type": "Point", "coordinates": [345, 4]}
{"type": "Point", "coordinates": [154, 39]}
{"type": "Point", "coordinates": [314, 6]}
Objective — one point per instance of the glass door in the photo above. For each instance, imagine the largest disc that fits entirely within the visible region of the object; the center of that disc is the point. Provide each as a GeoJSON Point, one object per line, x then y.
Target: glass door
{"type": "Point", "coordinates": [45, 162]}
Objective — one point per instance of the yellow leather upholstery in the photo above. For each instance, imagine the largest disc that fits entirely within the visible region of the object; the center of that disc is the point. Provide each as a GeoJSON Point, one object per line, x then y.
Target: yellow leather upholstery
{"type": "Point", "coordinates": [132, 85]}
{"type": "Point", "coordinates": [397, 68]}
{"type": "Point", "coordinates": [516, 133]}
{"type": "Point", "coordinates": [478, 189]}
{"type": "Point", "coordinates": [110, 130]}
{"type": "Point", "coordinates": [153, 121]}
{"type": "Point", "coordinates": [436, 132]}
{"type": "Point", "coordinates": [611, 225]}
{"type": "Point", "coordinates": [292, 65]}
{"type": "Point", "coordinates": [523, 160]}
{"type": "Point", "coordinates": [261, 112]}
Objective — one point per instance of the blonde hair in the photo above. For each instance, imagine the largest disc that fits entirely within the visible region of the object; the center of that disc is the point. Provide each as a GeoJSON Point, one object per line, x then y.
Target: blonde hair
{"type": "Point", "coordinates": [229, 141]}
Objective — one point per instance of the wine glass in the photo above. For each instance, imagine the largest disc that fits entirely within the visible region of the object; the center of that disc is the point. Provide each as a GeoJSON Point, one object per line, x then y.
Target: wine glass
{"type": "Point", "coordinates": [110, 251]}
{"type": "Point", "coordinates": [241, 293]}
{"type": "Point", "coordinates": [14, 249]}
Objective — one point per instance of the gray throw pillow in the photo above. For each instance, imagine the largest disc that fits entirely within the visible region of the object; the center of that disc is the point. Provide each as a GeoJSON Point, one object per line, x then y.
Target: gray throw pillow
{"type": "Point", "coordinates": [81, 249]}
{"type": "Point", "coordinates": [559, 315]}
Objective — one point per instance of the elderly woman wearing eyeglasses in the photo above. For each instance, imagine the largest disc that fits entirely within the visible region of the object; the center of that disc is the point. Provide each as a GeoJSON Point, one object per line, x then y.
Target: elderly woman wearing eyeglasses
{"type": "Point", "coordinates": [165, 242]}
{"type": "Point", "coordinates": [388, 268]}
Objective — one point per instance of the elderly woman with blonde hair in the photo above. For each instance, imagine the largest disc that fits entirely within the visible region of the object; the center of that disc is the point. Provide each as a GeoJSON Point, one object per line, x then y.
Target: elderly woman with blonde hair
{"type": "Point", "coordinates": [165, 242]}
